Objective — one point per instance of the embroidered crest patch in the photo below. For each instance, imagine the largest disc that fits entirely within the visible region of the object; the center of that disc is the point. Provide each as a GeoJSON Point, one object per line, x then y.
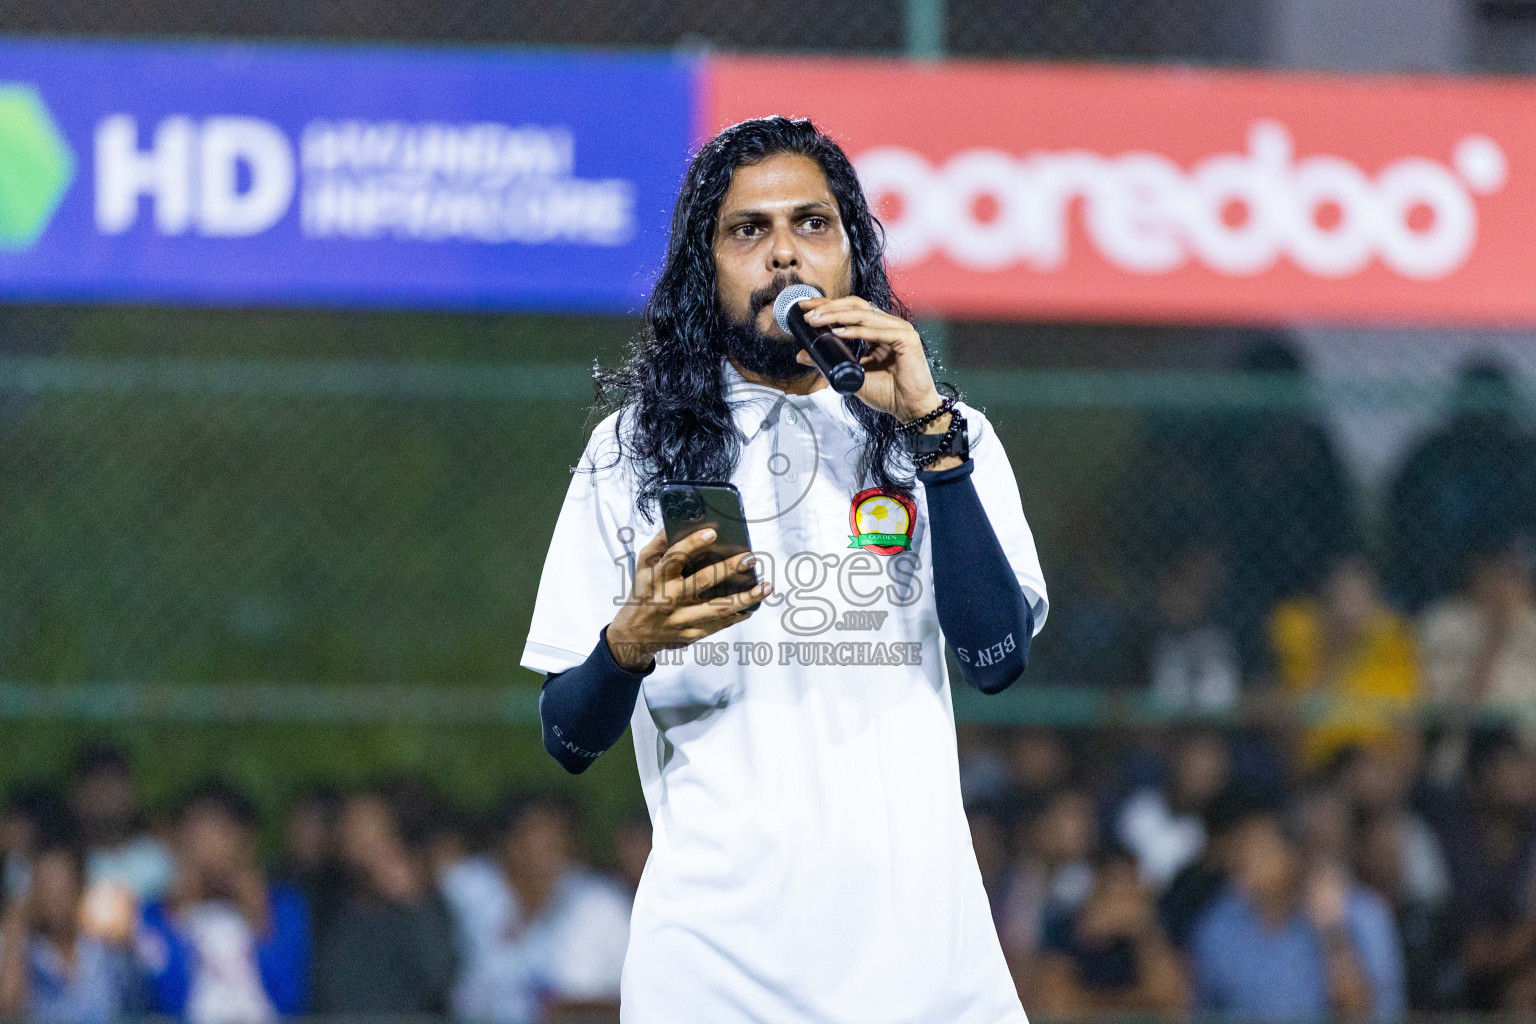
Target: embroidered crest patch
{"type": "Point", "coordinates": [881, 522]}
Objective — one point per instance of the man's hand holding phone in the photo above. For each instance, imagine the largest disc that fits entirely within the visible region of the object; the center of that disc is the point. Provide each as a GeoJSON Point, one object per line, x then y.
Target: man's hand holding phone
{"type": "Point", "coordinates": [666, 609]}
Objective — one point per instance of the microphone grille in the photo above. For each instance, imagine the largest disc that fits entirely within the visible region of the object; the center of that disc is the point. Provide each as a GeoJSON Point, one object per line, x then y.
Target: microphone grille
{"type": "Point", "coordinates": [788, 297]}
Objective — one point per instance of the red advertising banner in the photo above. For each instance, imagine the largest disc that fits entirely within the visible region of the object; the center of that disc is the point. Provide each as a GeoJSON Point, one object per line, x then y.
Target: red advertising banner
{"type": "Point", "coordinates": [1071, 192]}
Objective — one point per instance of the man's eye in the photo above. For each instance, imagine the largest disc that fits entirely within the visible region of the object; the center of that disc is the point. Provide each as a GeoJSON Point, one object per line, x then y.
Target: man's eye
{"type": "Point", "coordinates": [815, 223]}
{"type": "Point", "coordinates": [746, 230]}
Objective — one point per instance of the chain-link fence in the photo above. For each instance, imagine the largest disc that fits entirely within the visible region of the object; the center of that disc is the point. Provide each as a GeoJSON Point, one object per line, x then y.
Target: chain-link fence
{"type": "Point", "coordinates": [1497, 36]}
{"type": "Point", "coordinates": [1174, 29]}
{"type": "Point", "coordinates": [232, 542]}
{"type": "Point", "coordinates": [171, 519]}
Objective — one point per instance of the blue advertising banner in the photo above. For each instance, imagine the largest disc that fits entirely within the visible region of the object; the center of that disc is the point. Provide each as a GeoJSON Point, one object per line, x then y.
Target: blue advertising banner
{"type": "Point", "coordinates": [337, 176]}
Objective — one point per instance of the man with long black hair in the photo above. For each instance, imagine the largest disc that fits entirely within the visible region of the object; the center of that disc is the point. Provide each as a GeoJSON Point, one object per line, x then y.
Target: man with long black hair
{"type": "Point", "coordinates": [796, 742]}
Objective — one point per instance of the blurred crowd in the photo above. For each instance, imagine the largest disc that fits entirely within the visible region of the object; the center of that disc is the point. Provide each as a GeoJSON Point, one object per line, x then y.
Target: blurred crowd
{"type": "Point", "coordinates": [1194, 870]}
{"type": "Point", "coordinates": [384, 901]}
{"type": "Point", "coordinates": [1358, 838]}
{"type": "Point", "coordinates": [1310, 844]}
{"type": "Point", "coordinates": [1240, 566]}
{"type": "Point", "coordinates": [1167, 871]}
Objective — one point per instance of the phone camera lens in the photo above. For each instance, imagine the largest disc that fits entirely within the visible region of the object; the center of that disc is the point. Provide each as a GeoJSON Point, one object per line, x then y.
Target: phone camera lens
{"type": "Point", "coordinates": [685, 506]}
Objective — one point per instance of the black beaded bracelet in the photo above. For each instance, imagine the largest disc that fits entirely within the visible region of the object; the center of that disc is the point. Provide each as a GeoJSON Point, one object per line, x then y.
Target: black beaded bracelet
{"type": "Point", "coordinates": [922, 421]}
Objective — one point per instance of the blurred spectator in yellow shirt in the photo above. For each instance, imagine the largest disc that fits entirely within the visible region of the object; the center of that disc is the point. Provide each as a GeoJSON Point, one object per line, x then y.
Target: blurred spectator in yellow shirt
{"type": "Point", "coordinates": [1347, 650]}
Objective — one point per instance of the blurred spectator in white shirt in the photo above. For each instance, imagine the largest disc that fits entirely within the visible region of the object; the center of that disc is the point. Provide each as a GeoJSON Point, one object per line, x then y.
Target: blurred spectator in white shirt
{"type": "Point", "coordinates": [125, 866]}
{"type": "Point", "coordinates": [1163, 825]}
{"type": "Point", "coordinates": [1479, 644]}
{"type": "Point", "coordinates": [1192, 659]}
{"type": "Point", "coordinates": [539, 932]}
{"type": "Point", "coordinates": [1376, 781]}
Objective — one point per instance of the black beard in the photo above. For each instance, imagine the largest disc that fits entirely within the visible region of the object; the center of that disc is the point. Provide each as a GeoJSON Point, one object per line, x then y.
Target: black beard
{"type": "Point", "coordinates": [763, 355]}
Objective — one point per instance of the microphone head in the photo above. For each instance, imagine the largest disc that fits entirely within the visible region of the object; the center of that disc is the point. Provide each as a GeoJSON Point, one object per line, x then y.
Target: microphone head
{"type": "Point", "coordinates": [787, 299]}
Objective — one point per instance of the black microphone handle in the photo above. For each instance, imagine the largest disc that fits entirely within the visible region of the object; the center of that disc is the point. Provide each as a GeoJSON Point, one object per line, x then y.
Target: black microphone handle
{"type": "Point", "coordinates": [829, 352]}
{"type": "Point", "coordinates": [831, 355]}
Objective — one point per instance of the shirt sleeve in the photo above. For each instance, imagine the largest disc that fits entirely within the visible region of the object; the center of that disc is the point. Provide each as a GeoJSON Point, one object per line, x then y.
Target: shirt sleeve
{"type": "Point", "coordinates": [999, 494]}
{"type": "Point", "coordinates": [590, 562]}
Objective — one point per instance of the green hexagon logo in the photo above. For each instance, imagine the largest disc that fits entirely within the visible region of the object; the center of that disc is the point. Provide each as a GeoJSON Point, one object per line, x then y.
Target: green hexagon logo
{"type": "Point", "coordinates": [36, 166]}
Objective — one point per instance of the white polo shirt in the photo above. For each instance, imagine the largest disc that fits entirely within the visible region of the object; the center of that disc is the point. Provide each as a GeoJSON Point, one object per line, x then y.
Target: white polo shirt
{"type": "Point", "coordinates": [811, 859]}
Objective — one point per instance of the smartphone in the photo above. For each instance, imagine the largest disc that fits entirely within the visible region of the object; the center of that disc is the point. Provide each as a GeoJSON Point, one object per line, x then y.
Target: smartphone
{"type": "Point", "coordinates": [688, 506]}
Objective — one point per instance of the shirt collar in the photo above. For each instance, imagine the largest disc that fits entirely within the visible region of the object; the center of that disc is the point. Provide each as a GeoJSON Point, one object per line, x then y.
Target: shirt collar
{"type": "Point", "coordinates": [757, 405]}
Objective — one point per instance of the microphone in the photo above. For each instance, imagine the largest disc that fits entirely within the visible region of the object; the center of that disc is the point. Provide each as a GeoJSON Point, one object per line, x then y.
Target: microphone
{"type": "Point", "coordinates": [829, 352]}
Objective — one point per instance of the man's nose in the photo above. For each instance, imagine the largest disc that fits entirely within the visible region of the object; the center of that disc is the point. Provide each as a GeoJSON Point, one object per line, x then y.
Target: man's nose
{"type": "Point", "coordinates": [783, 254]}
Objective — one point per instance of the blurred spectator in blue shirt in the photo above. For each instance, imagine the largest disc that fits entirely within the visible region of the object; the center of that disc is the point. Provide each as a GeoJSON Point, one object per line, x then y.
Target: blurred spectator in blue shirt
{"type": "Point", "coordinates": [1288, 942]}
{"type": "Point", "coordinates": [225, 946]}
{"type": "Point", "coordinates": [541, 933]}
{"type": "Point", "coordinates": [50, 973]}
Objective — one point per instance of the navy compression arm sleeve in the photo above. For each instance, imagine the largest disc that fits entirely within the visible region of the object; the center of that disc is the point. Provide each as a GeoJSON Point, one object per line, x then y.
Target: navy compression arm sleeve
{"type": "Point", "coordinates": [584, 710]}
{"type": "Point", "coordinates": [983, 611]}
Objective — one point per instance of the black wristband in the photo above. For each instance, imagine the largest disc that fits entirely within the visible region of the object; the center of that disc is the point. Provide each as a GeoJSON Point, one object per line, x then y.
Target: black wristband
{"type": "Point", "coordinates": [927, 449]}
